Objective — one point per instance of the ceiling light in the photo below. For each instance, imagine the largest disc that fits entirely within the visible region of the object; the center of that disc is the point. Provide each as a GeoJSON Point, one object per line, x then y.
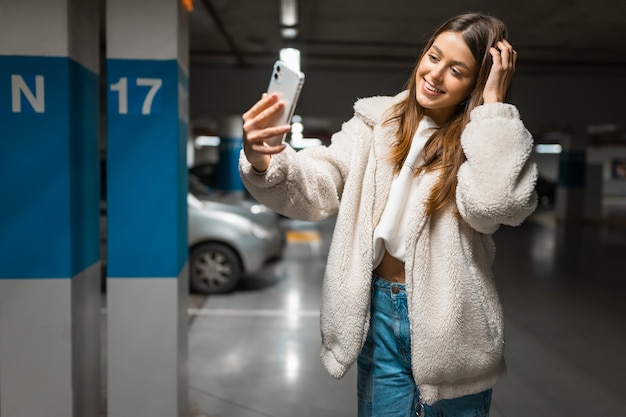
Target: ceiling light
{"type": "Point", "coordinates": [207, 141]}
{"type": "Point", "coordinates": [288, 12]}
{"type": "Point", "coordinates": [549, 148]}
{"type": "Point", "coordinates": [289, 33]}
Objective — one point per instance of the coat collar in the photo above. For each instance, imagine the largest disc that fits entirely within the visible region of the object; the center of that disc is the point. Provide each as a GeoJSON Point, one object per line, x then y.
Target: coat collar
{"type": "Point", "coordinates": [374, 111]}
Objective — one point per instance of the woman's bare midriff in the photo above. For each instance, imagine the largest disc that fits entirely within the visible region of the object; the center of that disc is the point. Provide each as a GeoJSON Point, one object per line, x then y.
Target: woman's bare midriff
{"type": "Point", "coordinates": [390, 268]}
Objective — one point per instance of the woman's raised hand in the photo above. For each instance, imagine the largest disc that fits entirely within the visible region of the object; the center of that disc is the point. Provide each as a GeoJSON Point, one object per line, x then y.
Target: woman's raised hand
{"type": "Point", "coordinates": [501, 74]}
{"type": "Point", "coordinates": [257, 129]}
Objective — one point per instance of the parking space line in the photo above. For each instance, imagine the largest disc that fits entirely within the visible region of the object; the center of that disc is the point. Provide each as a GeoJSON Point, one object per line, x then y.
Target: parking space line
{"type": "Point", "coordinates": [227, 312]}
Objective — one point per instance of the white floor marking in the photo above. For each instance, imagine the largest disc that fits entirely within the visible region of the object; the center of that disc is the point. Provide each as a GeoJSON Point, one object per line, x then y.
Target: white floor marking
{"type": "Point", "coordinates": [251, 313]}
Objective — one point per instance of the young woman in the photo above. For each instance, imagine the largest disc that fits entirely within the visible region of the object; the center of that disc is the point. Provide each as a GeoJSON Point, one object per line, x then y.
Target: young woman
{"type": "Point", "coordinates": [419, 182]}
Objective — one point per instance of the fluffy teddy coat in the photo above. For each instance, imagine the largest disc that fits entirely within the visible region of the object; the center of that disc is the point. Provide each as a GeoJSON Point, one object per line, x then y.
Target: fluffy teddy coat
{"type": "Point", "coordinates": [457, 335]}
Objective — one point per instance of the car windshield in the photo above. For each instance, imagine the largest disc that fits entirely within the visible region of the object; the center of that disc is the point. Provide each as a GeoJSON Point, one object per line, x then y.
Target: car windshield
{"type": "Point", "coordinates": [197, 188]}
{"type": "Point", "coordinates": [205, 174]}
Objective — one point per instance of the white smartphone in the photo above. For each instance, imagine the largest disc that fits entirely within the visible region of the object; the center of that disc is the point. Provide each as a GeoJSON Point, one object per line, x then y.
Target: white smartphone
{"type": "Point", "coordinates": [287, 83]}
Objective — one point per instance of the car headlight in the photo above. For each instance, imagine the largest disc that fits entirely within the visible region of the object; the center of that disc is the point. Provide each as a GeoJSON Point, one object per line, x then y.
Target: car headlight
{"type": "Point", "coordinates": [260, 232]}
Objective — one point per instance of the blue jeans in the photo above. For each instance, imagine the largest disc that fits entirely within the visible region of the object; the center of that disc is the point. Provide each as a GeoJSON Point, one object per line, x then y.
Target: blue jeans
{"type": "Point", "coordinates": [385, 382]}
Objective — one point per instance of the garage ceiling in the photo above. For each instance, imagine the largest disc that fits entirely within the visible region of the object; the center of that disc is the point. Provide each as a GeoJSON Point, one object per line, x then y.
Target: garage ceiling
{"type": "Point", "coordinates": [362, 34]}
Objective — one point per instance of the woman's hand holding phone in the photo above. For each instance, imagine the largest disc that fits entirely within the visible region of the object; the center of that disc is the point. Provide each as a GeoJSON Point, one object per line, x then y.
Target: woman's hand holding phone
{"type": "Point", "coordinates": [266, 124]}
{"type": "Point", "coordinates": [258, 129]}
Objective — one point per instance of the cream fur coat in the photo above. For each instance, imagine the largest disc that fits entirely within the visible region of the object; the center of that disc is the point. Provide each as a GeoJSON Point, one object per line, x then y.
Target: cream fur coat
{"type": "Point", "coordinates": [455, 314]}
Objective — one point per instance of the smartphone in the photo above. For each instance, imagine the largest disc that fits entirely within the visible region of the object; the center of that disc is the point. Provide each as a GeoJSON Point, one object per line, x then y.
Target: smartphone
{"type": "Point", "coordinates": [287, 83]}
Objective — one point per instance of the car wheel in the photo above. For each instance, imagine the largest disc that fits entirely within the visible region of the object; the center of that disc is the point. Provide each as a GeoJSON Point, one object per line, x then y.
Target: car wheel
{"type": "Point", "coordinates": [214, 268]}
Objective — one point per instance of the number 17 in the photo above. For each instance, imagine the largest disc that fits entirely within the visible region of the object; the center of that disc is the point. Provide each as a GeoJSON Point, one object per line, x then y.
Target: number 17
{"type": "Point", "coordinates": [122, 89]}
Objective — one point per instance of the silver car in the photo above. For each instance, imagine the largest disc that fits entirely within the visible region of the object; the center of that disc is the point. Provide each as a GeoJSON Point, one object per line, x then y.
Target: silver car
{"type": "Point", "coordinates": [228, 237]}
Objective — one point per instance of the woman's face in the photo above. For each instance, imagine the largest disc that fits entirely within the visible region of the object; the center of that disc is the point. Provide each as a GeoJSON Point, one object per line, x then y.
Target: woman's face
{"type": "Point", "coordinates": [445, 76]}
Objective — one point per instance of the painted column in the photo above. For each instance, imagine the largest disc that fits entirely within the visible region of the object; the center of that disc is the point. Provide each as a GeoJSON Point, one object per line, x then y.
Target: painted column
{"type": "Point", "coordinates": [230, 131]}
{"type": "Point", "coordinates": [570, 192]}
{"type": "Point", "coordinates": [594, 192]}
{"type": "Point", "coordinates": [147, 282]}
{"type": "Point", "coordinates": [49, 216]}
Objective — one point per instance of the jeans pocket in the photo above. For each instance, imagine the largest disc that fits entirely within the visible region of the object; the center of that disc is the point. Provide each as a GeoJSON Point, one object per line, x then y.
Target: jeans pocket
{"type": "Point", "coordinates": [474, 405]}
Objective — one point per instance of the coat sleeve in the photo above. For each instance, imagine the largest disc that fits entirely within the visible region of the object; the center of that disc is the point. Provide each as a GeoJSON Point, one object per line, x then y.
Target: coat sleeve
{"type": "Point", "coordinates": [305, 185]}
{"type": "Point", "coordinates": [496, 183]}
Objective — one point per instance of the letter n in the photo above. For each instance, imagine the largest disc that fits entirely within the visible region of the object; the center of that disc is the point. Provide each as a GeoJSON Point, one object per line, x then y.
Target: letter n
{"type": "Point", "coordinates": [37, 100]}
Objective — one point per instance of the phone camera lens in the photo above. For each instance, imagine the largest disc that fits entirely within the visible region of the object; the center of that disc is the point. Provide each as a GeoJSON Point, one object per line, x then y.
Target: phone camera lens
{"type": "Point", "coordinates": [275, 75]}
{"type": "Point", "coordinates": [278, 68]}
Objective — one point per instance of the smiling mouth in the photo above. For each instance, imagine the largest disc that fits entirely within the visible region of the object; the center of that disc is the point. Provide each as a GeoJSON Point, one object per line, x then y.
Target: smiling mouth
{"type": "Point", "coordinates": [428, 86]}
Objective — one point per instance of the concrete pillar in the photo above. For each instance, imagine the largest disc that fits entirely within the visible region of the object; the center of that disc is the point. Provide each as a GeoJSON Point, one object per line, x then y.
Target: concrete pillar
{"type": "Point", "coordinates": [570, 192]}
{"type": "Point", "coordinates": [49, 217]}
{"type": "Point", "coordinates": [147, 282]}
{"type": "Point", "coordinates": [230, 131]}
{"type": "Point", "coordinates": [594, 192]}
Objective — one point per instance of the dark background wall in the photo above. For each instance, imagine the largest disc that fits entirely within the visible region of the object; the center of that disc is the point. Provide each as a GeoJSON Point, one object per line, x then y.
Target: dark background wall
{"type": "Point", "coordinates": [548, 98]}
{"type": "Point", "coordinates": [555, 102]}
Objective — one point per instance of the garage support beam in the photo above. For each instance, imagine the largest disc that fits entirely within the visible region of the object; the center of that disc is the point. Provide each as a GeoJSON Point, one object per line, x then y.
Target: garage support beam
{"type": "Point", "coordinates": [572, 184]}
{"type": "Point", "coordinates": [147, 278]}
{"type": "Point", "coordinates": [230, 131]}
{"type": "Point", "coordinates": [49, 216]}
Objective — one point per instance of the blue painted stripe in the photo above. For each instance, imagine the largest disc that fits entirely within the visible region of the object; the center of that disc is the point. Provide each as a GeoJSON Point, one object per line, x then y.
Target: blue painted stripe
{"type": "Point", "coordinates": [85, 167]}
{"type": "Point", "coordinates": [146, 171]}
{"type": "Point", "coordinates": [183, 173]}
{"type": "Point", "coordinates": [228, 178]}
{"type": "Point", "coordinates": [48, 167]}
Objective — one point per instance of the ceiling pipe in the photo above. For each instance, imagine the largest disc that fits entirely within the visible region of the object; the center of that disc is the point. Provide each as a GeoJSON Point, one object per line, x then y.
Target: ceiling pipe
{"type": "Point", "coordinates": [220, 26]}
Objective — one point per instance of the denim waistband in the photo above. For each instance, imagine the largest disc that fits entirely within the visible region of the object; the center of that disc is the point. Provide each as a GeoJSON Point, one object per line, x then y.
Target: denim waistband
{"type": "Point", "coordinates": [383, 284]}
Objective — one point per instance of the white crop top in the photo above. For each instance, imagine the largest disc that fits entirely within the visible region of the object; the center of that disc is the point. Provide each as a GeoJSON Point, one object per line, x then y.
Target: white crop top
{"type": "Point", "coordinates": [389, 233]}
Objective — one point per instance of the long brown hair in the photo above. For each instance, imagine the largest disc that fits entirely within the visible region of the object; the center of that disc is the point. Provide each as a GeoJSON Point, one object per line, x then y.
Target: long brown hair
{"type": "Point", "coordinates": [443, 149]}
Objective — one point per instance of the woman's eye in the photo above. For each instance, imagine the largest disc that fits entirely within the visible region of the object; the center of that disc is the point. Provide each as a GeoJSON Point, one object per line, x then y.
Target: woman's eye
{"type": "Point", "coordinates": [433, 58]}
{"type": "Point", "coordinates": [456, 72]}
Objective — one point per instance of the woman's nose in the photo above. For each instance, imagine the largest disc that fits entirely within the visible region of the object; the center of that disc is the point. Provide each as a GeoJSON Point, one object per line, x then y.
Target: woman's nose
{"type": "Point", "coordinates": [437, 72]}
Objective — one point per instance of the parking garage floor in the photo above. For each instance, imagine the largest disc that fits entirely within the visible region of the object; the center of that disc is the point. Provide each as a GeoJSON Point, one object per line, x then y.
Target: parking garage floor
{"type": "Point", "coordinates": [255, 353]}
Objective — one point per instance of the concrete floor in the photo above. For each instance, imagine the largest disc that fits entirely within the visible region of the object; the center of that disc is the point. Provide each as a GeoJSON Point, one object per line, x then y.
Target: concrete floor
{"type": "Point", "coordinates": [255, 353]}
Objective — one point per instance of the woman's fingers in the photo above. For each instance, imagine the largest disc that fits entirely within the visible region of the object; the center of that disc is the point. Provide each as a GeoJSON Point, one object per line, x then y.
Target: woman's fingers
{"type": "Point", "coordinates": [254, 118]}
{"type": "Point", "coordinates": [506, 54]}
{"type": "Point", "coordinates": [260, 105]}
{"type": "Point", "coordinates": [257, 121]}
{"type": "Point", "coordinates": [258, 130]}
{"type": "Point", "coordinates": [265, 149]}
{"type": "Point", "coordinates": [260, 136]}
{"type": "Point", "coordinates": [504, 59]}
